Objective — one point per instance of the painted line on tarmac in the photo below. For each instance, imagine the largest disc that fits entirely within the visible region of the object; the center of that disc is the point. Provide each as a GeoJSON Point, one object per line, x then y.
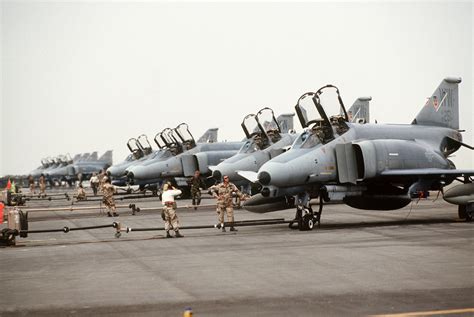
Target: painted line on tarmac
{"type": "Point", "coordinates": [429, 313]}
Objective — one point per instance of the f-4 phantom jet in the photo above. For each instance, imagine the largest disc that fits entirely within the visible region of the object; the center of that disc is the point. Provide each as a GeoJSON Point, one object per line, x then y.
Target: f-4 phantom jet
{"type": "Point", "coordinates": [267, 138]}
{"type": "Point", "coordinates": [182, 157]}
{"type": "Point", "coordinates": [367, 166]}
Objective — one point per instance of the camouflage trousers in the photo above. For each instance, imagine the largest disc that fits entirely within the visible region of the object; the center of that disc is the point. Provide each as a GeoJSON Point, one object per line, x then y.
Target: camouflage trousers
{"type": "Point", "coordinates": [32, 189]}
{"type": "Point", "coordinates": [109, 203]}
{"type": "Point", "coordinates": [196, 196]}
{"type": "Point", "coordinates": [221, 209]}
{"type": "Point", "coordinates": [171, 218]}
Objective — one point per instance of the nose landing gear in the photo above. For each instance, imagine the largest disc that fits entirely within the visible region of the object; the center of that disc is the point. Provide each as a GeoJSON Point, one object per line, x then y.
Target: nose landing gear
{"type": "Point", "coordinates": [305, 217]}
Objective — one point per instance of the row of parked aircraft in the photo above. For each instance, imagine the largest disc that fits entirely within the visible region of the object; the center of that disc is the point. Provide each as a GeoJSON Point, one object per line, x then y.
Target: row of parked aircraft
{"type": "Point", "coordinates": [63, 168]}
{"type": "Point", "coordinates": [338, 156]}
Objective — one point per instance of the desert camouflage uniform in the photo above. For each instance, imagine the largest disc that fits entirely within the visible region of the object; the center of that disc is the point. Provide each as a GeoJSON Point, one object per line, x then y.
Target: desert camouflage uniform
{"type": "Point", "coordinates": [81, 194]}
{"type": "Point", "coordinates": [101, 177]}
{"type": "Point", "coordinates": [224, 200]}
{"type": "Point", "coordinates": [31, 182]}
{"type": "Point", "coordinates": [169, 210]}
{"type": "Point", "coordinates": [42, 185]}
{"type": "Point", "coordinates": [108, 190]}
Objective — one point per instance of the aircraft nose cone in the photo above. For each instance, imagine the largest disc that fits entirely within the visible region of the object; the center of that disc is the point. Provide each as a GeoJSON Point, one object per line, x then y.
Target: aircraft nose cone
{"type": "Point", "coordinates": [264, 178]}
{"type": "Point", "coordinates": [217, 175]}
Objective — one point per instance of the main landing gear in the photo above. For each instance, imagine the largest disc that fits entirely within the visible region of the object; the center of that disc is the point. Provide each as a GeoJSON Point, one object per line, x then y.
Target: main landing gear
{"type": "Point", "coordinates": [305, 217]}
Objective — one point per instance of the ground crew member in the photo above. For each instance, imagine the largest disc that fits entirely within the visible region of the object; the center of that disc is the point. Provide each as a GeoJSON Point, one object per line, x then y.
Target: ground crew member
{"type": "Point", "coordinates": [108, 191]}
{"type": "Point", "coordinates": [197, 184]}
{"type": "Point", "coordinates": [169, 210]}
{"type": "Point", "coordinates": [42, 185]}
{"type": "Point", "coordinates": [94, 180]}
{"type": "Point", "coordinates": [224, 193]}
{"type": "Point", "coordinates": [81, 193]}
{"type": "Point", "coordinates": [31, 182]}
{"type": "Point", "coordinates": [101, 177]}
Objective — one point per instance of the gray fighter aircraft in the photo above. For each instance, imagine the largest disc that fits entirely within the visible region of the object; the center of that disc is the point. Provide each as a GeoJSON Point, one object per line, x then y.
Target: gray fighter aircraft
{"type": "Point", "coordinates": [265, 139]}
{"type": "Point", "coordinates": [138, 156]}
{"type": "Point", "coordinates": [368, 166]}
{"type": "Point", "coordinates": [89, 166]}
{"type": "Point", "coordinates": [182, 156]}
{"type": "Point", "coordinates": [140, 150]}
{"type": "Point", "coordinates": [268, 140]}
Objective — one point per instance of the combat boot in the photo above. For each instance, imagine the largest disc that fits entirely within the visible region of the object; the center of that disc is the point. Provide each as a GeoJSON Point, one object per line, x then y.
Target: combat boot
{"type": "Point", "coordinates": [177, 234]}
{"type": "Point", "coordinates": [223, 229]}
{"type": "Point", "coordinates": [168, 234]}
{"type": "Point", "coordinates": [116, 214]}
{"type": "Point", "coordinates": [233, 229]}
{"type": "Point", "coordinates": [109, 214]}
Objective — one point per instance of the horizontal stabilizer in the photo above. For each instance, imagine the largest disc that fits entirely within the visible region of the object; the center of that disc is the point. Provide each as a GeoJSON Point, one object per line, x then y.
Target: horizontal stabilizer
{"type": "Point", "coordinates": [249, 175]}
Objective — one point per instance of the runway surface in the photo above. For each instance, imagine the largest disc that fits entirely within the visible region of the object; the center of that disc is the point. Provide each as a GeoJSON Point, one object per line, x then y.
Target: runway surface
{"type": "Point", "coordinates": [417, 259]}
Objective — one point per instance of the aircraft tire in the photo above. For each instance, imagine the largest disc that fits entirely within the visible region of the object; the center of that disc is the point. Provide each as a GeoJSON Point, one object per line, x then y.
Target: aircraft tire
{"type": "Point", "coordinates": [462, 213]}
{"type": "Point", "coordinates": [307, 222]}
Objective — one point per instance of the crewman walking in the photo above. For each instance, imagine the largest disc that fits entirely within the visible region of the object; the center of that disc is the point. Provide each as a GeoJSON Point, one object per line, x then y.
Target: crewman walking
{"type": "Point", "coordinates": [196, 185]}
{"type": "Point", "coordinates": [94, 181]}
{"type": "Point", "coordinates": [42, 185]}
{"type": "Point", "coordinates": [31, 182]}
{"type": "Point", "coordinates": [169, 210]}
{"type": "Point", "coordinates": [108, 190]}
{"type": "Point", "coordinates": [224, 193]}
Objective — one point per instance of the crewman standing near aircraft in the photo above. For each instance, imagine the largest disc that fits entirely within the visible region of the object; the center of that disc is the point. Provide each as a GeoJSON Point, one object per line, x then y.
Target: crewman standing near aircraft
{"type": "Point", "coordinates": [94, 181]}
{"type": "Point", "coordinates": [31, 182]}
{"type": "Point", "coordinates": [197, 184]}
{"type": "Point", "coordinates": [224, 192]}
{"type": "Point", "coordinates": [169, 210]}
{"type": "Point", "coordinates": [42, 185]}
{"type": "Point", "coordinates": [101, 177]}
{"type": "Point", "coordinates": [81, 193]}
{"type": "Point", "coordinates": [108, 190]}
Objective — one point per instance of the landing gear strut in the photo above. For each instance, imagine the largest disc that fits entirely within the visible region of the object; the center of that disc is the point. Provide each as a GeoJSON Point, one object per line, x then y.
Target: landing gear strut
{"type": "Point", "coordinates": [305, 217]}
{"type": "Point", "coordinates": [466, 212]}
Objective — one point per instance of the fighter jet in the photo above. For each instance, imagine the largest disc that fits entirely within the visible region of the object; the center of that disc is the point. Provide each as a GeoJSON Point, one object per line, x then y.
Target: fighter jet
{"type": "Point", "coordinates": [265, 139]}
{"type": "Point", "coordinates": [90, 165]}
{"type": "Point", "coordinates": [268, 140]}
{"type": "Point", "coordinates": [139, 156]}
{"type": "Point", "coordinates": [368, 166]}
{"type": "Point", "coordinates": [182, 157]}
{"type": "Point", "coordinates": [140, 150]}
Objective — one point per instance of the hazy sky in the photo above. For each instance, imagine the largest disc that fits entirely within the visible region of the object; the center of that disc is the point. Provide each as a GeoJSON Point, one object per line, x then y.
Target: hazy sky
{"type": "Point", "coordinates": [84, 76]}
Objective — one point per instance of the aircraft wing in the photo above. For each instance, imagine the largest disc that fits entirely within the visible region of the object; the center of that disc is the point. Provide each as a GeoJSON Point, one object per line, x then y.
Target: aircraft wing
{"type": "Point", "coordinates": [427, 172]}
{"type": "Point", "coordinates": [249, 175]}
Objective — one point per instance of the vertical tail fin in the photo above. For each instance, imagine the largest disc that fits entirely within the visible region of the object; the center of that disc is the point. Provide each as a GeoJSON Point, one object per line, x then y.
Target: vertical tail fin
{"type": "Point", "coordinates": [442, 108]}
{"type": "Point", "coordinates": [360, 111]}
{"type": "Point", "coordinates": [107, 157]}
{"type": "Point", "coordinates": [210, 136]}
{"type": "Point", "coordinates": [92, 157]}
{"type": "Point", "coordinates": [285, 121]}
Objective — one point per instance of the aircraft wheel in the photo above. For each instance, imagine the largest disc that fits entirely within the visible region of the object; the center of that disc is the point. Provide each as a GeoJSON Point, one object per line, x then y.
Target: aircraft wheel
{"type": "Point", "coordinates": [462, 213]}
{"type": "Point", "coordinates": [307, 222]}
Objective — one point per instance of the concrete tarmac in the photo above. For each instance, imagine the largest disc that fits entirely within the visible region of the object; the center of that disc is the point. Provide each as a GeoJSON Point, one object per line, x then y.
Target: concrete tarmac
{"type": "Point", "coordinates": [417, 259]}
